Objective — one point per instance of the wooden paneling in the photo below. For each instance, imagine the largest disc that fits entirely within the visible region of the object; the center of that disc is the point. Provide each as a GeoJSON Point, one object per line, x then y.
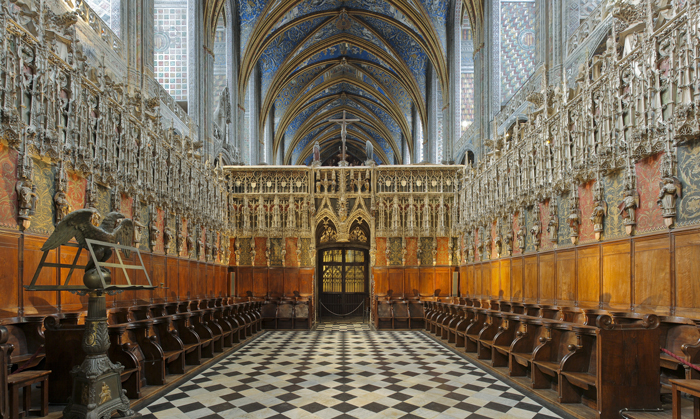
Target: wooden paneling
{"type": "Point", "coordinates": [306, 281]}
{"type": "Point", "coordinates": [443, 280]}
{"type": "Point", "coordinates": [505, 279]}
{"type": "Point", "coordinates": [411, 280]}
{"type": "Point", "coordinates": [291, 280]}
{"type": "Point", "coordinates": [73, 302]}
{"type": "Point", "coordinates": [158, 277]}
{"type": "Point", "coordinates": [516, 267]}
{"type": "Point", "coordinates": [530, 276]}
{"type": "Point", "coordinates": [275, 281]}
{"type": "Point", "coordinates": [547, 278]}
{"type": "Point", "coordinates": [396, 281]}
{"type": "Point", "coordinates": [260, 285]}
{"type": "Point", "coordinates": [172, 279]}
{"type": "Point", "coordinates": [427, 281]}
{"type": "Point", "coordinates": [687, 252]}
{"type": "Point", "coordinates": [244, 281]}
{"type": "Point", "coordinates": [495, 280]}
{"type": "Point", "coordinates": [464, 281]}
{"type": "Point", "coordinates": [39, 302]}
{"type": "Point", "coordinates": [183, 275]}
{"type": "Point", "coordinates": [589, 276]}
{"type": "Point", "coordinates": [381, 280]}
{"type": "Point", "coordinates": [617, 270]}
{"type": "Point", "coordinates": [484, 278]}
{"type": "Point", "coordinates": [652, 270]}
{"type": "Point", "coordinates": [566, 276]}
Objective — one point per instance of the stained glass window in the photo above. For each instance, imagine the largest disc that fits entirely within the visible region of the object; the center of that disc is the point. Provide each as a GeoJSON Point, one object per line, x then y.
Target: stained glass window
{"type": "Point", "coordinates": [467, 70]}
{"type": "Point", "coordinates": [518, 45]}
{"type": "Point", "coordinates": [219, 59]}
{"type": "Point", "coordinates": [170, 47]}
{"type": "Point", "coordinates": [109, 11]}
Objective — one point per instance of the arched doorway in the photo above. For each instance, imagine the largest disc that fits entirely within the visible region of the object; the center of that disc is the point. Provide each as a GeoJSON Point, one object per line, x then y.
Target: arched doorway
{"type": "Point", "coordinates": [343, 270]}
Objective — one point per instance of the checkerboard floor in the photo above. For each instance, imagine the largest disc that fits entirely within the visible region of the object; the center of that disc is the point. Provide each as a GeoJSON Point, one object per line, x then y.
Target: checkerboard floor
{"type": "Point", "coordinates": [365, 374]}
{"type": "Point", "coordinates": [343, 327]}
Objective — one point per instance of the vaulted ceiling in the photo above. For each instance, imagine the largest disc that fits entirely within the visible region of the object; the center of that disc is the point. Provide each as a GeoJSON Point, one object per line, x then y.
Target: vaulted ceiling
{"type": "Point", "coordinates": [318, 58]}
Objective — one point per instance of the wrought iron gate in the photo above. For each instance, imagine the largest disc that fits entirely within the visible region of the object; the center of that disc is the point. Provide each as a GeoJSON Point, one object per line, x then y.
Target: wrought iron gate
{"type": "Point", "coordinates": [343, 281]}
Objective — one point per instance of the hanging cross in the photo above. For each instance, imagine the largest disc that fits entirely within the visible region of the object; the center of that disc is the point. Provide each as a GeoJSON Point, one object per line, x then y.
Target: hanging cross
{"type": "Point", "coordinates": [343, 132]}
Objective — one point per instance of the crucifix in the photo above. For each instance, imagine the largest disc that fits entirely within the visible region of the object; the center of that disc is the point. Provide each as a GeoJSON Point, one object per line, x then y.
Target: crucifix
{"type": "Point", "coordinates": [343, 133]}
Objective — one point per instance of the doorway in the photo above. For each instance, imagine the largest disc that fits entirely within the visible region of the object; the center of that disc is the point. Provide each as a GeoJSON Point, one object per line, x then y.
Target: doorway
{"type": "Point", "coordinates": [343, 282]}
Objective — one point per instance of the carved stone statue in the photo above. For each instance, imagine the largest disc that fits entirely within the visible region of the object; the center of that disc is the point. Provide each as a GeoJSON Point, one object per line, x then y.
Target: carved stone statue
{"type": "Point", "coordinates": [153, 234]}
{"type": "Point", "coordinates": [180, 238]}
{"type": "Point", "coordinates": [628, 208]}
{"type": "Point", "coordinates": [670, 190]}
{"type": "Point", "coordinates": [553, 224]}
{"type": "Point", "coordinates": [600, 210]}
{"type": "Point", "coordinates": [317, 154]}
{"type": "Point", "coordinates": [520, 235]}
{"type": "Point", "coordinates": [536, 229]}
{"type": "Point", "coordinates": [26, 200]}
{"type": "Point", "coordinates": [369, 152]}
{"type": "Point", "coordinates": [167, 238]}
{"type": "Point", "coordinates": [62, 205]}
{"type": "Point", "coordinates": [222, 115]}
{"type": "Point", "coordinates": [574, 219]}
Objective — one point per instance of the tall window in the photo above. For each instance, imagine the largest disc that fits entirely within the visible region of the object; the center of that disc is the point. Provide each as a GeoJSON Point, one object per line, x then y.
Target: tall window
{"type": "Point", "coordinates": [110, 13]}
{"type": "Point", "coordinates": [220, 76]}
{"type": "Point", "coordinates": [467, 72]}
{"type": "Point", "coordinates": [518, 45]}
{"type": "Point", "coordinates": [170, 47]}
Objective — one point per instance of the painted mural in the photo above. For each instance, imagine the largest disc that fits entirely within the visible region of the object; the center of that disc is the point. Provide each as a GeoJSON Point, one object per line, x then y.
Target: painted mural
{"type": "Point", "coordinates": [649, 217]}
{"type": "Point", "coordinates": [8, 180]}
{"type": "Point", "coordinates": [44, 180]}
{"type": "Point", "coordinates": [689, 174]}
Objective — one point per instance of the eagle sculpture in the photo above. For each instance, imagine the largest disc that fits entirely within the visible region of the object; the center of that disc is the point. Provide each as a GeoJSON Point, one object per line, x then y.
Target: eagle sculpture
{"type": "Point", "coordinates": [115, 228]}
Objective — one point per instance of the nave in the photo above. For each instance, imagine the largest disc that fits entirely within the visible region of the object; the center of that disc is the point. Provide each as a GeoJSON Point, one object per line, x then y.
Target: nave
{"type": "Point", "coordinates": [351, 373]}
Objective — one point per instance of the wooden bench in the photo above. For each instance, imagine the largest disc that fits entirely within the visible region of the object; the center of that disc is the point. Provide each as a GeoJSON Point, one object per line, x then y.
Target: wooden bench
{"type": "Point", "coordinates": [27, 338]}
{"type": "Point", "coordinates": [416, 313]}
{"type": "Point", "coordinates": [402, 319]}
{"type": "Point", "coordinates": [10, 384]}
{"type": "Point", "coordinates": [302, 317]}
{"type": "Point", "coordinates": [681, 337]}
{"type": "Point", "coordinates": [692, 387]}
{"type": "Point", "coordinates": [385, 315]}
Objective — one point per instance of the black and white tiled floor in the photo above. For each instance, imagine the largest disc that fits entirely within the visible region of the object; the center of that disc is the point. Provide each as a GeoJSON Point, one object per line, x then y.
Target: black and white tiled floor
{"type": "Point", "coordinates": [343, 327]}
{"type": "Point", "coordinates": [351, 374]}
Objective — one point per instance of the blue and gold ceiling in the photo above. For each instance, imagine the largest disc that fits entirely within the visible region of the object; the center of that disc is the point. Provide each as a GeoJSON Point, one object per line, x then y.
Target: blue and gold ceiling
{"type": "Point", "coordinates": [318, 58]}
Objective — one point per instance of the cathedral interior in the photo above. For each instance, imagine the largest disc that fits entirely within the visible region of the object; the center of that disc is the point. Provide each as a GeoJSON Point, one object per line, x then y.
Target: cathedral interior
{"type": "Point", "coordinates": [350, 209]}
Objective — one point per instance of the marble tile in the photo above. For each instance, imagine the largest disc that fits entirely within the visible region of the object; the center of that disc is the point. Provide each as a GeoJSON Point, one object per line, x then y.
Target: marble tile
{"type": "Point", "coordinates": [345, 370]}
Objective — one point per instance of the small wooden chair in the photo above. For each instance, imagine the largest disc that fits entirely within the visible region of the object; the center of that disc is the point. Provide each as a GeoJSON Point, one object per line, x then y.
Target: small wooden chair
{"type": "Point", "coordinates": [24, 380]}
{"type": "Point", "coordinates": [10, 384]}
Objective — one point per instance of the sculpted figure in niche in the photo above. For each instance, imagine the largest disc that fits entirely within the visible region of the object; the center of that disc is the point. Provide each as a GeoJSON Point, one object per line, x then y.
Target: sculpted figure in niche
{"type": "Point", "coordinates": [628, 206]}
{"type": "Point", "coordinates": [369, 151]}
{"type": "Point", "coordinates": [520, 235]}
{"type": "Point", "coordinates": [670, 189]}
{"type": "Point", "coordinates": [180, 240]}
{"type": "Point", "coordinates": [62, 205]}
{"type": "Point", "coordinates": [26, 199]}
{"type": "Point", "coordinates": [599, 211]}
{"type": "Point", "coordinates": [167, 238]}
{"type": "Point", "coordinates": [153, 233]}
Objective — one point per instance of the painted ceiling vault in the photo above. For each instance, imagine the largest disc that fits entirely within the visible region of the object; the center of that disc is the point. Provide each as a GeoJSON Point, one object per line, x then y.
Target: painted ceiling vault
{"type": "Point", "coordinates": [318, 58]}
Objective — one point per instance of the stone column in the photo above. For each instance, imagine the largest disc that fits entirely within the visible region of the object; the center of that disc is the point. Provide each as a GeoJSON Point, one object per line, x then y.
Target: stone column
{"type": "Point", "coordinates": [137, 33]}
{"type": "Point", "coordinates": [232, 60]}
{"type": "Point", "coordinates": [453, 114]}
{"type": "Point", "coordinates": [417, 129]}
{"type": "Point", "coordinates": [256, 154]}
{"type": "Point", "coordinates": [196, 69]}
{"type": "Point", "coordinates": [269, 137]}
